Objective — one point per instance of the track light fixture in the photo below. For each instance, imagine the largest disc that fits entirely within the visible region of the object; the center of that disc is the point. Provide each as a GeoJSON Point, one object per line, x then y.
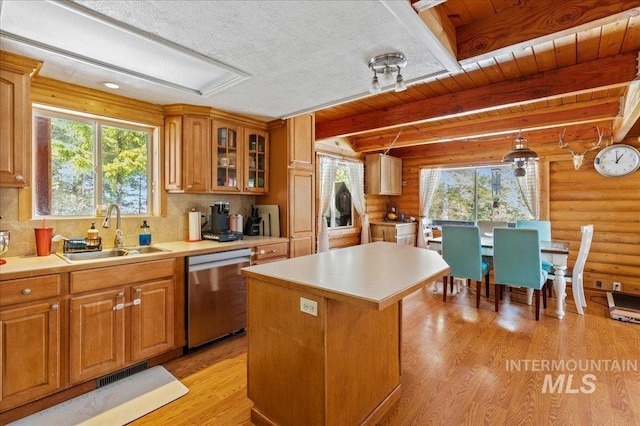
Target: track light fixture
{"type": "Point", "coordinates": [386, 65]}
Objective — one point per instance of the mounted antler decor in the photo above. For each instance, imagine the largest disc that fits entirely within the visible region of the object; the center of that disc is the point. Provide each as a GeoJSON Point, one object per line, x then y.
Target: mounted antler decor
{"type": "Point", "coordinates": [578, 158]}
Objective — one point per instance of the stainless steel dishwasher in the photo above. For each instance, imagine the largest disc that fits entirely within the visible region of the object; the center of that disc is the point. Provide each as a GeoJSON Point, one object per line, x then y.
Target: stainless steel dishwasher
{"type": "Point", "coordinates": [217, 295]}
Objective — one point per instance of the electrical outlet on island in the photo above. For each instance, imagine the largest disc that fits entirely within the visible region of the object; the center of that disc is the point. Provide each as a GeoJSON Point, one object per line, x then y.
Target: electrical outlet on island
{"type": "Point", "coordinates": [617, 286]}
{"type": "Point", "coordinates": [309, 306]}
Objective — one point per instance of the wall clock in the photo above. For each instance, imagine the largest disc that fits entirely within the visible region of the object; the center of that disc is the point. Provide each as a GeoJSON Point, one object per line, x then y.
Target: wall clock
{"type": "Point", "coordinates": [617, 160]}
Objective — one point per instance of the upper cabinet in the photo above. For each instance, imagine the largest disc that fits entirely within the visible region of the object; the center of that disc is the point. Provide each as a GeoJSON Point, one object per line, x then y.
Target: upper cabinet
{"type": "Point", "coordinates": [384, 175]}
{"type": "Point", "coordinates": [15, 119]}
{"type": "Point", "coordinates": [205, 153]}
{"type": "Point", "coordinates": [227, 156]}
{"type": "Point", "coordinates": [256, 161]}
{"type": "Point", "coordinates": [187, 154]}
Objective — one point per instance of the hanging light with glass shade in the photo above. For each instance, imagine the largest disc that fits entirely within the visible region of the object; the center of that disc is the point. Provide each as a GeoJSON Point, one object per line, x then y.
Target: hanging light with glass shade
{"type": "Point", "coordinates": [385, 65]}
{"type": "Point", "coordinates": [519, 155]}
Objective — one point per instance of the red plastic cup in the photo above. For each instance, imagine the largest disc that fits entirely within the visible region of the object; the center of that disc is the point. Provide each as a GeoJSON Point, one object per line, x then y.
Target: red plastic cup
{"type": "Point", "coordinates": [43, 241]}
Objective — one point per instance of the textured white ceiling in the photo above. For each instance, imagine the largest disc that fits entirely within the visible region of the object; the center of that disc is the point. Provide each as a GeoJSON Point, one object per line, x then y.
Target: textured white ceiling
{"type": "Point", "coordinates": [298, 55]}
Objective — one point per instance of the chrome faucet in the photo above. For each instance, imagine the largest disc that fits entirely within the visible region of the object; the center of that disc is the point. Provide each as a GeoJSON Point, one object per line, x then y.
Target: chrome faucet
{"type": "Point", "coordinates": [119, 240]}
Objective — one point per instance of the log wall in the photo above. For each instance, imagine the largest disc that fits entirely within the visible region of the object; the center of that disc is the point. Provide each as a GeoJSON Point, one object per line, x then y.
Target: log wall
{"type": "Point", "coordinates": [570, 198]}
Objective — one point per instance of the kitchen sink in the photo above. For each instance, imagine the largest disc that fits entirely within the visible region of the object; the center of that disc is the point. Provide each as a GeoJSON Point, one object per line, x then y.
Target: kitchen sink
{"type": "Point", "coordinates": [115, 252]}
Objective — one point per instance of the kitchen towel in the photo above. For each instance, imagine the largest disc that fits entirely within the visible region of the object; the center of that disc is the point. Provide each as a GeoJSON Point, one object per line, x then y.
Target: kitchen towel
{"type": "Point", "coordinates": [194, 226]}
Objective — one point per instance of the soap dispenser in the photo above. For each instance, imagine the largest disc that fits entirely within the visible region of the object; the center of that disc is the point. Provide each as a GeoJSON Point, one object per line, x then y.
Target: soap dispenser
{"type": "Point", "coordinates": [92, 233]}
{"type": "Point", "coordinates": [144, 238]}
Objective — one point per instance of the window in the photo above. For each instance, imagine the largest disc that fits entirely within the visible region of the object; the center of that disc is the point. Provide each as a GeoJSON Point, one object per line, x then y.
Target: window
{"type": "Point", "coordinates": [340, 213]}
{"type": "Point", "coordinates": [82, 162]}
{"type": "Point", "coordinates": [482, 193]}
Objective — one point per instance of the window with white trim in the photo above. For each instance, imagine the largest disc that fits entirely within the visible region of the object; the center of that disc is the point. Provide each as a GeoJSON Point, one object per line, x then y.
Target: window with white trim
{"type": "Point", "coordinates": [82, 162]}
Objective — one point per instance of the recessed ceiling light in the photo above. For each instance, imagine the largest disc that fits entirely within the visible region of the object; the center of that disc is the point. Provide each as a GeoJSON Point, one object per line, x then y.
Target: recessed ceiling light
{"type": "Point", "coordinates": [111, 85]}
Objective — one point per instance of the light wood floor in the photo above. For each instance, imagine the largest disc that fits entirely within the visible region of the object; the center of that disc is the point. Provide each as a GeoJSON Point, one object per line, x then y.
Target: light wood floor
{"type": "Point", "coordinates": [454, 368]}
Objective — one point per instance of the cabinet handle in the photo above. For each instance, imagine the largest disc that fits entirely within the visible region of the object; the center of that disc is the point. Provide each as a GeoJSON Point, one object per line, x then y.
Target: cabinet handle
{"type": "Point", "coordinates": [121, 306]}
{"type": "Point", "coordinates": [138, 290]}
{"type": "Point", "coordinates": [262, 252]}
{"type": "Point", "coordinates": [54, 307]}
{"type": "Point", "coordinates": [26, 291]}
{"type": "Point", "coordinates": [19, 178]}
{"type": "Point", "coordinates": [272, 251]}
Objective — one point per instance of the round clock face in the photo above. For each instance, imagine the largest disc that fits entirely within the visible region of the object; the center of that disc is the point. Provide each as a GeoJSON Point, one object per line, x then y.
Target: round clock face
{"type": "Point", "coordinates": [617, 160]}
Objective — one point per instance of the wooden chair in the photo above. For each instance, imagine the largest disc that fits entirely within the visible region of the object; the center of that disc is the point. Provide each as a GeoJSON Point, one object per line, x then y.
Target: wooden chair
{"type": "Point", "coordinates": [516, 262]}
{"type": "Point", "coordinates": [462, 250]}
{"type": "Point", "coordinates": [575, 276]}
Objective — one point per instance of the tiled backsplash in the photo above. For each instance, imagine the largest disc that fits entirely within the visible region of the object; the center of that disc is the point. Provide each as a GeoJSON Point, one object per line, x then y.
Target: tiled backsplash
{"type": "Point", "coordinates": [173, 227]}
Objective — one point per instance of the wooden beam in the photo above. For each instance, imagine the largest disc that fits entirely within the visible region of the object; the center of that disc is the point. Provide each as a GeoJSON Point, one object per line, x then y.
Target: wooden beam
{"type": "Point", "coordinates": [604, 73]}
{"type": "Point", "coordinates": [441, 27]}
{"type": "Point", "coordinates": [585, 112]}
{"type": "Point", "coordinates": [630, 107]}
{"type": "Point", "coordinates": [403, 11]}
{"type": "Point", "coordinates": [532, 22]}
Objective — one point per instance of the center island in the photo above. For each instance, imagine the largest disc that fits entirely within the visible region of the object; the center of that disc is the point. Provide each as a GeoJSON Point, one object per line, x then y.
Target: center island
{"type": "Point", "coordinates": [324, 332]}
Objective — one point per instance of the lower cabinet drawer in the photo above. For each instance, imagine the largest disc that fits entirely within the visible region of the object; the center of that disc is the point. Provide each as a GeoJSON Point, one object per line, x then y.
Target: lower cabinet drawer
{"type": "Point", "coordinates": [29, 289]}
{"type": "Point", "coordinates": [112, 276]}
{"type": "Point", "coordinates": [271, 250]}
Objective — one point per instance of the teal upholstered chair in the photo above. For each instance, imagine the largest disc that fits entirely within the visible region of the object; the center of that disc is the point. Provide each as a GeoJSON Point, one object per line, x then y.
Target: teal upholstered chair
{"type": "Point", "coordinates": [516, 262]}
{"type": "Point", "coordinates": [544, 233]}
{"type": "Point", "coordinates": [462, 250]}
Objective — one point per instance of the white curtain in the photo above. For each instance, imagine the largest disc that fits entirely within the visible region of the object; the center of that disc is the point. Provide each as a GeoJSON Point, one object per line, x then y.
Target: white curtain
{"type": "Point", "coordinates": [356, 180]}
{"type": "Point", "coordinates": [529, 186]}
{"type": "Point", "coordinates": [429, 179]}
{"type": "Point", "coordinates": [327, 168]}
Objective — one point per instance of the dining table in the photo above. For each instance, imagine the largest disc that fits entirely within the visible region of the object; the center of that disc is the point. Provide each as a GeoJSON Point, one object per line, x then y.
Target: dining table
{"type": "Point", "coordinates": [555, 252]}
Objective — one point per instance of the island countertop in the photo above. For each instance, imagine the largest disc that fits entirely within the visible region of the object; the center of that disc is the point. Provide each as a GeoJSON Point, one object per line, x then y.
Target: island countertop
{"type": "Point", "coordinates": [374, 275]}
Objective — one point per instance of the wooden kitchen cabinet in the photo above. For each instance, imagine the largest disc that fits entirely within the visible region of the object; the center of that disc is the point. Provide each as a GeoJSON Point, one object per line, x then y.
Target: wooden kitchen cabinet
{"type": "Point", "coordinates": [292, 181]}
{"type": "Point", "coordinates": [269, 253]}
{"type": "Point", "coordinates": [209, 151]}
{"type": "Point", "coordinates": [114, 324]}
{"type": "Point", "coordinates": [187, 154]}
{"type": "Point", "coordinates": [31, 318]}
{"type": "Point", "coordinates": [256, 161]}
{"type": "Point", "coordinates": [226, 157]}
{"type": "Point", "coordinates": [383, 175]}
{"type": "Point", "coordinates": [395, 232]}
{"type": "Point", "coordinates": [15, 119]}
{"type": "Point", "coordinates": [97, 334]}
{"type": "Point", "coordinates": [152, 330]}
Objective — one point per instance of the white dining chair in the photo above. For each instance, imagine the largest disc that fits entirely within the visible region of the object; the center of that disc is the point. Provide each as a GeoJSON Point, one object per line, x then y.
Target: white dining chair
{"type": "Point", "coordinates": [486, 226]}
{"type": "Point", "coordinates": [575, 276]}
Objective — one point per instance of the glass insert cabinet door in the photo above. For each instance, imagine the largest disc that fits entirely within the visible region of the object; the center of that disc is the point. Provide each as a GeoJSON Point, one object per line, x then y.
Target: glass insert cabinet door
{"type": "Point", "coordinates": [227, 157]}
{"type": "Point", "coordinates": [257, 161]}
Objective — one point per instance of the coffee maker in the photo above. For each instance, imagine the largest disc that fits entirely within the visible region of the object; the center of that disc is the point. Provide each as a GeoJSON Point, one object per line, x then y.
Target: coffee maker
{"type": "Point", "coordinates": [219, 221]}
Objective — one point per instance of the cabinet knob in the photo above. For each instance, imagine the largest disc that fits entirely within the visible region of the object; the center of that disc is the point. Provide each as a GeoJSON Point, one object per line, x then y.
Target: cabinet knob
{"type": "Point", "coordinates": [54, 307]}
{"type": "Point", "coordinates": [19, 178]}
{"type": "Point", "coordinates": [272, 251]}
{"type": "Point", "coordinates": [26, 291]}
{"type": "Point", "coordinates": [262, 251]}
{"type": "Point", "coordinates": [121, 294]}
{"type": "Point", "coordinates": [138, 290]}
{"type": "Point", "coordinates": [189, 186]}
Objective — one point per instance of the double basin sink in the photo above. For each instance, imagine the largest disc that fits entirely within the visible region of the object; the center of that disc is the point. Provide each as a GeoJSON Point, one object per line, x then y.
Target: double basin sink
{"type": "Point", "coordinates": [110, 253]}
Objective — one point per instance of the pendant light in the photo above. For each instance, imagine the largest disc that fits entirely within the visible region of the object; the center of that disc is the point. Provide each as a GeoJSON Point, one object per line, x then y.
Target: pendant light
{"type": "Point", "coordinates": [519, 155]}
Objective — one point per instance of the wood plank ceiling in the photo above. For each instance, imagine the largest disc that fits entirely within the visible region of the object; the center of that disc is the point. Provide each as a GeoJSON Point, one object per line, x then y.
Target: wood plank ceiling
{"type": "Point", "coordinates": [539, 66]}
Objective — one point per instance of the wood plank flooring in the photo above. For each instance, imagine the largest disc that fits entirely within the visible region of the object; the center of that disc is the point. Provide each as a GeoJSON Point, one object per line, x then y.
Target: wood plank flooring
{"type": "Point", "coordinates": [455, 363]}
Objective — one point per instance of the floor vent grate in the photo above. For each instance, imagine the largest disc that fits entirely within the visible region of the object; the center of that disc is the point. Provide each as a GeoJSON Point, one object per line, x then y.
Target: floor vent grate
{"type": "Point", "coordinates": [114, 377]}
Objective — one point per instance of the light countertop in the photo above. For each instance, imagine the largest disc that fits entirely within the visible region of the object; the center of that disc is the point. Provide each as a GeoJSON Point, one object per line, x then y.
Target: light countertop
{"type": "Point", "coordinates": [25, 266]}
{"type": "Point", "coordinates": [375, 275]}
